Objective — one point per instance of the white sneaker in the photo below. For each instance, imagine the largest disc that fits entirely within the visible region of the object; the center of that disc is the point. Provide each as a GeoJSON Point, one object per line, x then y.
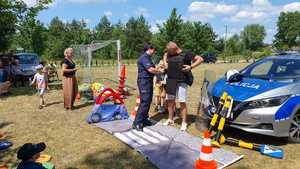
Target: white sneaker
{"type": "Point", "coordinates": [183, 126]}
{"type": "Point", "coordinates": [169, 122]}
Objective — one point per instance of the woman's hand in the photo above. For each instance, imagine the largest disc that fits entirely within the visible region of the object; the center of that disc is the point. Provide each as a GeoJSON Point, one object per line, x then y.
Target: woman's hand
{"type": "Point", "coordinates": [75, 69]}
{"type": "Point", "coordinates": [186, 68]}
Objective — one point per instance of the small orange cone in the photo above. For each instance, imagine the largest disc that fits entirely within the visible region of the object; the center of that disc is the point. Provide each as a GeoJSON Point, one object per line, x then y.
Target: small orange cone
{"type": "Point", "coordinates": [78, 97]}
{"type": "Point", "coordinates": [137, 104]}
{"type": "Point", "coordinates": [206, 160]}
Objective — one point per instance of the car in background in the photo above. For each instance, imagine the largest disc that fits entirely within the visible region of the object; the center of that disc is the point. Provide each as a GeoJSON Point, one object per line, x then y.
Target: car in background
{"type": "Point", "coordinates": [28, 62]}
{"type": "Point", "coordinates": [266, 97]}
{"type": "Point", "coordinates": [212, 56]}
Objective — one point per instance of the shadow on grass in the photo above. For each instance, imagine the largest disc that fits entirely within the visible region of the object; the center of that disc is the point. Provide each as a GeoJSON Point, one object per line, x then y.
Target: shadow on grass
{"type": "Point", "coordinates": [203, 124]}
{"type": "Point", "coordinates": [19, 91]}
{"type": "Point", "coordinates": [53, 103]}
{"type": "Point", "coordinates": [83, 105]}
{"type": "Point", "coordinates": [254, 138]}
{"type": "Point", "coordinates": [107, 159]}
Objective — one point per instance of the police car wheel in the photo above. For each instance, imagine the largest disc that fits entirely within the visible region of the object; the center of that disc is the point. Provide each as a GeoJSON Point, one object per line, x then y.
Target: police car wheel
{"type": "Point", "coordinates": [294, 135]}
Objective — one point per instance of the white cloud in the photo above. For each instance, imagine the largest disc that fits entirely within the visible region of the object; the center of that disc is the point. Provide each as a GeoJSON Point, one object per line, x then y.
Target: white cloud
{"type": "Point", "coordinates": [108, 13]}
{"type": "Point", "coordinates": [87, 1]}
{"type": "Point", "coordinates": [142, 11]}
{"type": "Point", "coordinates": [261, 3]}
{"type": "Point", "coordinates": [86, 20]}
{"type": "Point", "coordinates": [210, 7]}
{"type": "Point", "coordinates": [154, 29]}
{"type": "Point", "coordinates": [258, 10]}
{"type": "Point", "coordinates": [30, 3]}
{"type": "Point", "coordinates": [247, 16]}
{"type": "Point", "coordinates": [295, 6]}
{"type": "Point", "coordinates": [205, 10]}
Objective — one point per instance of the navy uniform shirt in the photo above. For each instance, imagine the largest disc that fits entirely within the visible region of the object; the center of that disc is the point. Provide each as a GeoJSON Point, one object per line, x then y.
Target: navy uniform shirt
{"type": "Point", "coordinates": [30, 165]}
{"type": "Point", "coordinates": [144, 63]}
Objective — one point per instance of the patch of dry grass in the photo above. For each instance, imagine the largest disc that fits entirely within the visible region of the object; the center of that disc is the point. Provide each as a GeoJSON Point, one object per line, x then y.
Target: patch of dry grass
{"type": "Point", "coordinates": [76, 145]}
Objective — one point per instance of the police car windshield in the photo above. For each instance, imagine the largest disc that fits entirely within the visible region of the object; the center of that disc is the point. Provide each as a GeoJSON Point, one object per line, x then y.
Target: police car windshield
{"type": "Point", "coordinates": [275, 69]}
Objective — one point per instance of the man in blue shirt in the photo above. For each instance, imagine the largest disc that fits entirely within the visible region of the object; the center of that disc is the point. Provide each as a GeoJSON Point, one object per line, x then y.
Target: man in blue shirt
{"type": "Point", "coordinates": [146, 72]}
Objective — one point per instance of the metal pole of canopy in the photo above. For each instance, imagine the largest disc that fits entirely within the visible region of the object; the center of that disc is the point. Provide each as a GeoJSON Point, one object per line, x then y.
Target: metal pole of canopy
{"type": "Point", "coordinates": [119, 56]}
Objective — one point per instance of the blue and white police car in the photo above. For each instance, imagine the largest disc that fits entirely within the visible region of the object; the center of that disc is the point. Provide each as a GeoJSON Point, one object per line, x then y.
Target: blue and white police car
{"type": "Point", "coordinates": [266, 97]}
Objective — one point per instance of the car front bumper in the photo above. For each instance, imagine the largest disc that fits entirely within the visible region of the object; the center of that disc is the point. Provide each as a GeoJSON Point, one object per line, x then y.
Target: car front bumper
{"type": "Point", "coordinates": [259, 121]}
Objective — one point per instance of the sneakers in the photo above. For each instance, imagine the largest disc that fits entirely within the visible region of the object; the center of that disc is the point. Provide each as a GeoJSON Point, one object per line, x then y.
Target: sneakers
{"type": "Point", "coordinates": [148, 123]}
{"type": "Point", "coordinates": [138, 127]}
{"type": "Point", "coordinates": [183, 126]}
{"type": "Point", "coordinates": [169, 122]}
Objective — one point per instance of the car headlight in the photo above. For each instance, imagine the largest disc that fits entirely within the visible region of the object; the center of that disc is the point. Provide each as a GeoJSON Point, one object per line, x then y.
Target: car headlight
{"type": "Point", "coordinates": [263, 103]}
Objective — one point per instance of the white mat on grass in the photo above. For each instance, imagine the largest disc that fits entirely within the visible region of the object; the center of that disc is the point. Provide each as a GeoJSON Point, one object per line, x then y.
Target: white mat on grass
{"type": "Point", "coordinates": [166, 147]}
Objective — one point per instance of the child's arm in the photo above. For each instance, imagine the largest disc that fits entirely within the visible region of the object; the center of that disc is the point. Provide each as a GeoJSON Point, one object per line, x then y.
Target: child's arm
{"type": "Point", "coordinates": [33, 80]}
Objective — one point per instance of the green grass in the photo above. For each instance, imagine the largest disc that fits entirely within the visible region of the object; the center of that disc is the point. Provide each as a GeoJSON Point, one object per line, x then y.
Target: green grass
{"type": "Point", "coordinates": [74, 144]}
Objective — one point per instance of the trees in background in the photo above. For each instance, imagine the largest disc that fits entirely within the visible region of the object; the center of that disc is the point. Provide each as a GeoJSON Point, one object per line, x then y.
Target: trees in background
{"type": "Point", "coordinates": [17, 17]}
{"type": "Point", "coordinates": [288, 27]}
{"type": "Point", "coordinates": [137, 33]}
{"type": "Point", "coordinates": [253, 37]}
{"type": "Point", "coordinates": [19, 28]}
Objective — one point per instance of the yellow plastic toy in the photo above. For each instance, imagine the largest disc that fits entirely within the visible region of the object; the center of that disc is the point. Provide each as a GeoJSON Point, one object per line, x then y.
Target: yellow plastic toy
{"type": "Point", "coordinates": [44, 158]}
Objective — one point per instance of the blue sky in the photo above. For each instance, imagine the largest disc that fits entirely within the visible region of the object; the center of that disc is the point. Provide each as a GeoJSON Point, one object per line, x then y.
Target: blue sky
{"type": "Point", "coordinates": [234, 13]}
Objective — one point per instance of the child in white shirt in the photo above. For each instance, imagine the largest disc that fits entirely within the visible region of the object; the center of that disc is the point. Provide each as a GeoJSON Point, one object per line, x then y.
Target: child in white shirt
{"type": "Point", "coordinates": [40, 83]}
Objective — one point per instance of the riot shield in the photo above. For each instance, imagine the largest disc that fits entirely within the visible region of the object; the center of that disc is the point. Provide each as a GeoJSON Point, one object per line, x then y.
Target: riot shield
{"type": "Point", "coordinates": [205, 99]}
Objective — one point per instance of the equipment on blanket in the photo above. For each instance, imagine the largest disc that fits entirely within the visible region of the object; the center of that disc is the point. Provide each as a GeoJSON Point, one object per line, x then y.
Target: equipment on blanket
{"type": "Point", "coordinates": [219, 138]}
{"type": "Point", "coordinates": [217, 111]}
{"type": "Point", "coordinates": [262, 148]}
{"type": "Point", "coordinates": [225, 113]}
{"type": "Point", "coordinates": [108, 112]}
{"type": "Point", "coordinates": [5, 145]}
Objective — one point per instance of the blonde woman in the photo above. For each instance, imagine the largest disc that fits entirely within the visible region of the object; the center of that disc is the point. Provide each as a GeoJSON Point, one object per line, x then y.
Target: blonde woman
{"type": "Point", "coordinates": [70, 87]}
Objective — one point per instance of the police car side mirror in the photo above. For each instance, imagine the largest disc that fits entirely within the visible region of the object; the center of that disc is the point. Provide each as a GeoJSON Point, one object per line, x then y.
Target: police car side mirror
{"type": "Point", "coordinates": [233, 76]}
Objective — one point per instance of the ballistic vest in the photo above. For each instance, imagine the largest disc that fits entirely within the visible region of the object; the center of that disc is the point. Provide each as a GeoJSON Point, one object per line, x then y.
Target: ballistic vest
{"type": "Point", "coordinates": [175, 65]}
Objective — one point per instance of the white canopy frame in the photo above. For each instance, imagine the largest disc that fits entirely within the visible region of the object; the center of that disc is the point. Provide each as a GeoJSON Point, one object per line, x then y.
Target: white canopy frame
{"type": "Point", "coordinates": [87, 50]}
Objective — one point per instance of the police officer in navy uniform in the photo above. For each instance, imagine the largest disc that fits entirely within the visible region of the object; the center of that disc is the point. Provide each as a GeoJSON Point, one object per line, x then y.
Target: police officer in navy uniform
{"type": "Point", "coordinates": [146, 72]}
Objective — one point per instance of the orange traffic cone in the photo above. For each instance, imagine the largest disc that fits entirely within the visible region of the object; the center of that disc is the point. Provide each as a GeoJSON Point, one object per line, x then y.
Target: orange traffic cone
{"type": "Point", "coordinates": [1, 135]}
{"type": "Point", "coordinates": [78, 97]}
{"type": "Point", "coordinates": [137, 104]}
{"type": "Point", "coordinates": [206, 160]}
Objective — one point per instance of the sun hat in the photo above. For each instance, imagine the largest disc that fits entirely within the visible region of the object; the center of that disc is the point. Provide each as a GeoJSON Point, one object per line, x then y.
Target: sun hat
{"type": "Point", "coordinates": [39, 67]}
{"type": "Point", "coordinates": [28, 150]}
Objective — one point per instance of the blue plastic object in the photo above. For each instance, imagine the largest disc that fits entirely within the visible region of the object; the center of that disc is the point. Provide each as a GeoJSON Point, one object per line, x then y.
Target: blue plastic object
{"type": "Point", "coordinates": [107, 112]}
{"type": "Point", "coordinates": [5, 145]}
{"type": "Point", "coordinates": [271, 151]}
{"type": "Point", "coordinates": [103, 112]}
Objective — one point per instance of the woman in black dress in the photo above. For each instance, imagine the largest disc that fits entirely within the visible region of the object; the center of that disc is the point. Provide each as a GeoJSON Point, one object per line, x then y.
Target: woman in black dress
{"type": "Point", "coordinates": [70, 86]}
